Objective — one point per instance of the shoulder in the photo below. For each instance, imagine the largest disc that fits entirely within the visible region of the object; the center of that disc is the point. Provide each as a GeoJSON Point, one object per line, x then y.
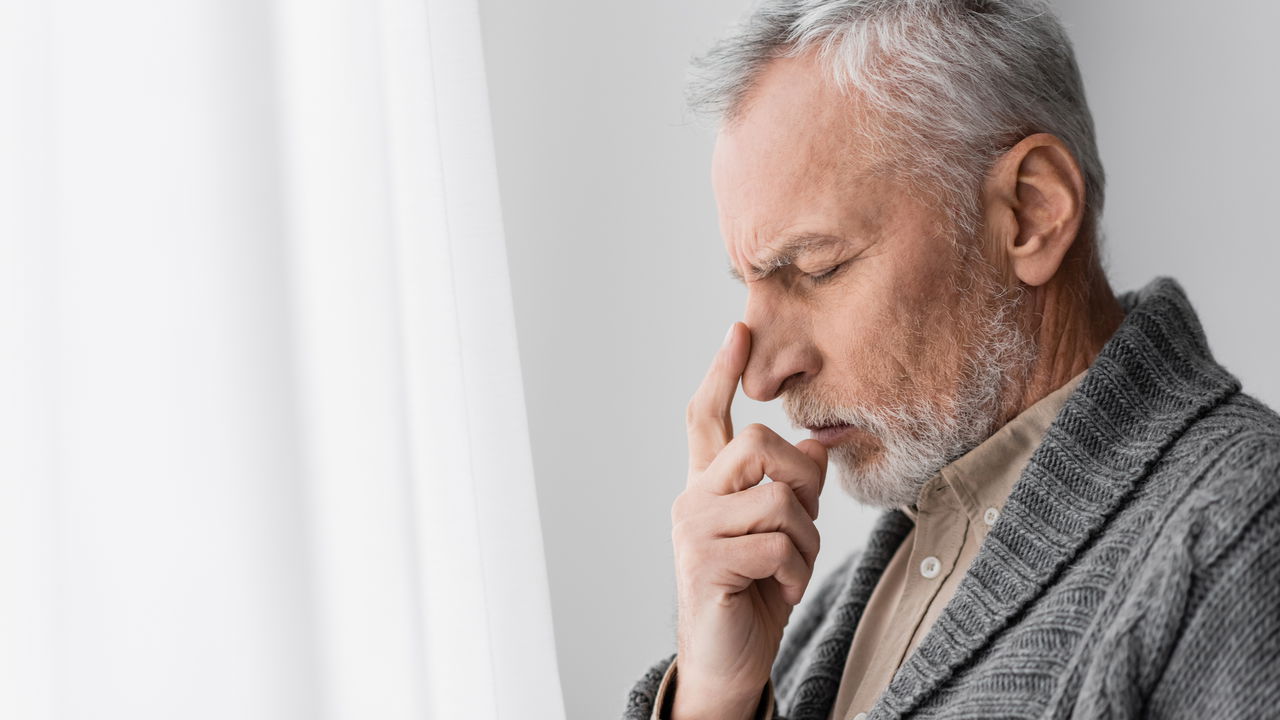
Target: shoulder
{"type": "Point", "coordinates": [1226, 467]}
{"type": "Point", "coordinates": [1199, 604]}
{"type": "Point", "coordinates": [1225, 661]}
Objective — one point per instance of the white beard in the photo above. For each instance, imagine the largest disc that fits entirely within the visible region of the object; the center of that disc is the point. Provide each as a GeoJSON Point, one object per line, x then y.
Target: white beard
{"type": "Point", "coordinates": [920, 437]}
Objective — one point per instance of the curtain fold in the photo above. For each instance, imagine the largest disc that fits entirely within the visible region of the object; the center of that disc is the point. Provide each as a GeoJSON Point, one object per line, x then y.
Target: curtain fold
{"type": "Point", "coordinates": [265, 446]}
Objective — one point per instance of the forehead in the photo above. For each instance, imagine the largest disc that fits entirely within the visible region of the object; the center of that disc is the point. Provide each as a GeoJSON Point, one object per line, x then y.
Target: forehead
{"type": "Point", "coordinates": [793, 161]}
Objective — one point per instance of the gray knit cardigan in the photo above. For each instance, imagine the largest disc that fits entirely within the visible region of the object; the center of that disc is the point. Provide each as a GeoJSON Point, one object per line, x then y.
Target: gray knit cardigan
{"type": "Point", "coordinates": [1134, 570]}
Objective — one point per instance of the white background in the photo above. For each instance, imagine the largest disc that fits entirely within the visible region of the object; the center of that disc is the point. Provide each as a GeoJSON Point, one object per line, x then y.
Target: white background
{"type": "Point", "coordinates": [619, 276]}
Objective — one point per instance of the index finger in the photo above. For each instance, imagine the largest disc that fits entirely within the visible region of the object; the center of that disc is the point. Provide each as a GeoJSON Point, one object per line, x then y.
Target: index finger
{"type": "Point", "coordinates": [708, 419]}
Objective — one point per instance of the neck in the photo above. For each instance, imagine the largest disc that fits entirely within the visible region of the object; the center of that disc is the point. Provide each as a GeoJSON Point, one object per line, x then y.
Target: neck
{"type": "Point", "coordinates": [1071, 317]}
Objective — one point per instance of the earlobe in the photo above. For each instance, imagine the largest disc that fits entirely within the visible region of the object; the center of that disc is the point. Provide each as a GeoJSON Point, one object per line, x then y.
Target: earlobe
{"type": "Point", "coordinates": [1042, 188]}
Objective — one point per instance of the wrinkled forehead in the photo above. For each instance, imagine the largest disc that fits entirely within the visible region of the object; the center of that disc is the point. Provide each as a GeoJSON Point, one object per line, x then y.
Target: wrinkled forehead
{"type": "Point", "coordinates": [796, 154]}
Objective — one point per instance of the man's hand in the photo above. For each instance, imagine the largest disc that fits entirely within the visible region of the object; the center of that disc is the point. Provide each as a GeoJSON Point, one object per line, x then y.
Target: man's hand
{"type": "Point", "coordinates": [744, 549]}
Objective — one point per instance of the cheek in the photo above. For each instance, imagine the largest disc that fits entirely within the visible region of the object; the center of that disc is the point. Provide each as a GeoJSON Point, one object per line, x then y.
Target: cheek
{"type": "Point", "coordinates": [924, 300]}
{"type": "Point", "coordinates": [861, 341]}
{"type": "Point", "coordinates": [897, 335]}
{"type": "Point", "coordinates": [933, 346]}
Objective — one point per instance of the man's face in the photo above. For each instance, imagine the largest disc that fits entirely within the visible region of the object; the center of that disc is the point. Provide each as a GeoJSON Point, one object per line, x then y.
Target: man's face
{"type": "Point", "coordinates": [884, 326]}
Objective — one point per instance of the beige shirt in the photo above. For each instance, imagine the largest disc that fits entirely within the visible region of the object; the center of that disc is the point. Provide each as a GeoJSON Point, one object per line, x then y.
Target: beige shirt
{"type": "Point", "coordinates": [953, 513]}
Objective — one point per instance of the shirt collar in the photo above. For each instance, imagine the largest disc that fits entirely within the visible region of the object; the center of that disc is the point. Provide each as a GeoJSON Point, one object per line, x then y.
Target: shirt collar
{"type": "Point", "coordinates": [982, 478]}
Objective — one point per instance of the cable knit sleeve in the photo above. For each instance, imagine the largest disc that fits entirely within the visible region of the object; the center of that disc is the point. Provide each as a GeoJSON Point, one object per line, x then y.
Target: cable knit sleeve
{"type": "Point", "coordinates": [658, 704]}
{"type": "Point", "coordinates": [1226, 662]}
{"type": "Point", "coordinates": [1200, 634]}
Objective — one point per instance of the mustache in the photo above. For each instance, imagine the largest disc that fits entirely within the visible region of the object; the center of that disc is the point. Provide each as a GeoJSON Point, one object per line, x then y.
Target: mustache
{"type": "Point", "coordinates": [809, 407]}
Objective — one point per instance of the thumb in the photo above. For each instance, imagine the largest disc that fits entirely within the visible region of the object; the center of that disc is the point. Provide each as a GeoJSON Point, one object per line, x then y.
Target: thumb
{"type": "Point", "coordinates": [818, 453]}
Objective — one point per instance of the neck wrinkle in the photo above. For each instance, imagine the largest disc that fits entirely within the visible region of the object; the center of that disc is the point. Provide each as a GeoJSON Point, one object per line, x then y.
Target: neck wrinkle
{"type": "Point", "coordinates": [1071, 317]}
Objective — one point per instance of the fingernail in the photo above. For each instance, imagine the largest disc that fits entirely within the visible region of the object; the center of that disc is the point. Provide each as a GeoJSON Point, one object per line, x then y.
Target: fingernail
{"type": "Point", "coordinates": [727, 336]}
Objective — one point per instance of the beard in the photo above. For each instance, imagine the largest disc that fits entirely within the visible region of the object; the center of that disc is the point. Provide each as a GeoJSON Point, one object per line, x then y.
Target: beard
{"type": "Point", "coordinates": [918, 436]}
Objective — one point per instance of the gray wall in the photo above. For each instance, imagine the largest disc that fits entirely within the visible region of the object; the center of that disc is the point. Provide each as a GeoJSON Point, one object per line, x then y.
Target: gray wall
{"type": "Point", "coordinates": [622, 297]}
{"type": "Point", "coordinates": [1186, 97]}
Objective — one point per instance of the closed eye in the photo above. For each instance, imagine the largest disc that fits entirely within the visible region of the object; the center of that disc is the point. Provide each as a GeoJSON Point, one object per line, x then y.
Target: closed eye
{"type": "Point", "coordinates": [825, 275]}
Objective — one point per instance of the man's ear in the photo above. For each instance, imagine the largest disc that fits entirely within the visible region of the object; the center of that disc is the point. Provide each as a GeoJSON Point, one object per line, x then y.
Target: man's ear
{"type": "Point", "coordinates": [1033, 201]}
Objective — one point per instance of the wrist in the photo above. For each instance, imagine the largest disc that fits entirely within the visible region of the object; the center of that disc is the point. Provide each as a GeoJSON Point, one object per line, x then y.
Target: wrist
{"type": "Point", "coordinates": [691, 703]}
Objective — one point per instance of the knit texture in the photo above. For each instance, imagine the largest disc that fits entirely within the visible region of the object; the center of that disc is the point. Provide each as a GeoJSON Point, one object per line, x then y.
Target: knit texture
{"type": "Point", "coordinates": [1133, 572]}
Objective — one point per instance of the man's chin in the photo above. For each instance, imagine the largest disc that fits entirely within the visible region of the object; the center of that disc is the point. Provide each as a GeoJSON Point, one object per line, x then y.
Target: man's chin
{"type": "Point", "coordinates": [866, 474]}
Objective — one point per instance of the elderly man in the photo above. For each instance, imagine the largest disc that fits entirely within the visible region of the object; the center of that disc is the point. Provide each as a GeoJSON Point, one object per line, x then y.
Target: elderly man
{"type": "Point", "coordinates": [1080, 505]}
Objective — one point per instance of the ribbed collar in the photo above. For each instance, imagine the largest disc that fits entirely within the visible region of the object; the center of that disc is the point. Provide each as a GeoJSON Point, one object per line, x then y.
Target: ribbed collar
{"type": "Point", "coordinates": [1149, 382]}
{"type": "Point", "coordinates": [983, 477]}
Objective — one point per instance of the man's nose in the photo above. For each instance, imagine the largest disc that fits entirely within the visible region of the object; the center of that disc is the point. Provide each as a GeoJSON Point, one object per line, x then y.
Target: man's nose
{"type": "Point", "coordinates": [781, 354]}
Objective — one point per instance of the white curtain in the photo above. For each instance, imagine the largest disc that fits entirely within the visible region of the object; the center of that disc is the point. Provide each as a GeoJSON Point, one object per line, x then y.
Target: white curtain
{"type": "Point", "coordinates": [264, 451]}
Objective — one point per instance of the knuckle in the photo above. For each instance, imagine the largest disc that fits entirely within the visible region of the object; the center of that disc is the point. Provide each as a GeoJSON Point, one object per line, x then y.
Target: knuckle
{"type": "Point", "coordinates": [777, 496]}
{"type": "Point", "coordinates": [692, 411]}
{"type": "Point", "coordinates": [678, 507]}
{"type": "Point", "coordinates": [693, 556]}
{"type": "Point", "coordinates": [679, 533]}
{"type": "Point", "coordinates": [778, 546]}
{"type": "Point", "coordinates": [755, 434]}
{"type": "Point", "coordinates": [685, 530]}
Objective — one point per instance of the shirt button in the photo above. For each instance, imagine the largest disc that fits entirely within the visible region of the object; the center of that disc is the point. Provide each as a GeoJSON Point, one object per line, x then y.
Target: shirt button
{"type": "Point", "coordinates": [860, 716]}
{"type": "Point", "coordinates": [989, 517]}
{"type": "Point", "coordinates": [930, 566]}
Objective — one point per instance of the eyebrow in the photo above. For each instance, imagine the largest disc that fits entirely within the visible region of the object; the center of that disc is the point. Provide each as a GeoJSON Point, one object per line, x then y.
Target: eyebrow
{"type": "Point", "coordinates": [792, 248]}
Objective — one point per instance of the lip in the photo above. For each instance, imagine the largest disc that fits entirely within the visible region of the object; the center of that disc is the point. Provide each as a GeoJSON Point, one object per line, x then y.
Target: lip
{"type": "Point", "coordinates": [830, 435]}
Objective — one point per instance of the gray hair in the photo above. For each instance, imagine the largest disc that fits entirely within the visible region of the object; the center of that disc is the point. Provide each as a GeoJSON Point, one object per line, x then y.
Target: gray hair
{"type": "Point", "coordinates": [956, 83]}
